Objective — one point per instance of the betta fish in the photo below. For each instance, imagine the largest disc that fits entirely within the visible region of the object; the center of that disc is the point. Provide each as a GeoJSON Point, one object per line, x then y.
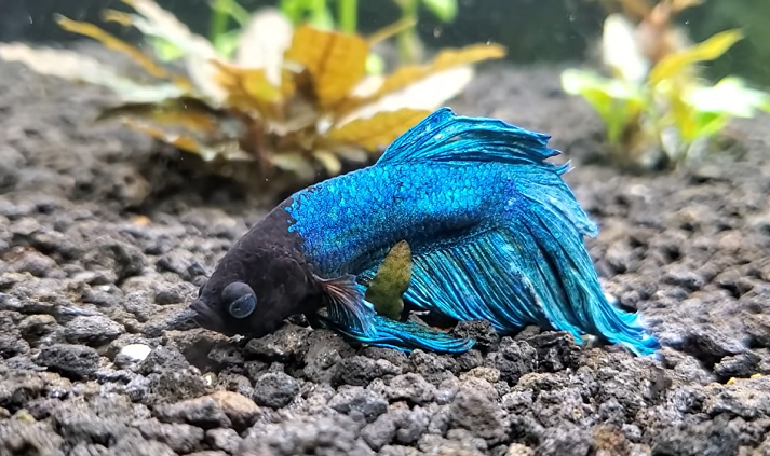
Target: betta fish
{"type": "Point", "coordinates": [494, 234]}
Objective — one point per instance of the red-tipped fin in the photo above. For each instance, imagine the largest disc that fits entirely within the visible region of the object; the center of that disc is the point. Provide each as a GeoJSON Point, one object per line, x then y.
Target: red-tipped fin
{"type": "Point", "coordinates": [346, 304]}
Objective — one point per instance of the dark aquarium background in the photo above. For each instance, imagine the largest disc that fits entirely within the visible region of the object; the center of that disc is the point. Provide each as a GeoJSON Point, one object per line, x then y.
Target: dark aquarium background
{"type": "Point", "coordinates": [532, 30]}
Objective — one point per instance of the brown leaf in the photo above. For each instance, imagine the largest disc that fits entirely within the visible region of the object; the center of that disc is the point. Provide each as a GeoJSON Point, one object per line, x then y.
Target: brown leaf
{"type": "Point", "coordinates": [186, 143]}
{"type": "Point", "coordinates": [444, 60]}
{"type": "Point", "coordinates": [391, 30]}
{"type": "Point", "coordinates": [248, 89]}
{"type": "Point", "coordinates": [223, 150]}
{"type": "Point", "coordinates": [296, 163]}
{"type": "Point", "coordinates": [121, 46]}
{"type": "Point", "coordinates": [329, 161]}
{"type": "Point", "coordinates": [636, 8]}
{"type": "Point", "coordinates": [406, 76]}
{"type": "Point", "coordinates": [379, 131]}
{"type": "Point", "coordinates": [188, 113]}
{"type": "Point", "coordinates": [336, 62]}
{"type": "Point", "coordinates": [681, 5]}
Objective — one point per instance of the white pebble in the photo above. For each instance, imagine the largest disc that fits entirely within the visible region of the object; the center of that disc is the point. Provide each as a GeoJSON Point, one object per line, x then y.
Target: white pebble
{"type": "Point", "coordinates": [137, 352]}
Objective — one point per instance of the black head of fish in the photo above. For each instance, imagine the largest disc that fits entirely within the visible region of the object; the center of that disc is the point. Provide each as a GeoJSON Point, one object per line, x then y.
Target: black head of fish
{"type": "Point", "coordinates": [260, 282]}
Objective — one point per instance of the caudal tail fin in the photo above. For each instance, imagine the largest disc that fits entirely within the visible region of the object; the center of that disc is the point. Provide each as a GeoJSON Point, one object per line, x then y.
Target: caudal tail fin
{"type": "Point", "coordinates": [548, 230]}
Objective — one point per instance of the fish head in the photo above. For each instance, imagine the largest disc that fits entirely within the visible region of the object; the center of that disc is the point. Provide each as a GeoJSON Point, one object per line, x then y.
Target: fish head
{"type": "Point", "coordinates": [252, 293]}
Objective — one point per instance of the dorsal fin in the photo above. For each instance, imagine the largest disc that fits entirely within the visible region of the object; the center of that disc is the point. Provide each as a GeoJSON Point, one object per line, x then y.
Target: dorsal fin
{"type": "Point", "coordinates": [447, 137]}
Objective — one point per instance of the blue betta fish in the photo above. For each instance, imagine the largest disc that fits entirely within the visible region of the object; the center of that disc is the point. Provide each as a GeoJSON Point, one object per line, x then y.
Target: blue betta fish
{"type": "Point", "coordinates": [495, 234]}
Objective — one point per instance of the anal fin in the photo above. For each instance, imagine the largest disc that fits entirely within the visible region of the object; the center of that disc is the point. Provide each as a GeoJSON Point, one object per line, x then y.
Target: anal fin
{"type": "Point", "coordinates": [405, 336]}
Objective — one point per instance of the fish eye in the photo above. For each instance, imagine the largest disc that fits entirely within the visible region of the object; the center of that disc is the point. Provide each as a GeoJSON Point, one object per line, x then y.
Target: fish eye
{"type": "Point", "coordinates": [243, 307]}
{"type": "Point", "coordinates": [242, 299]}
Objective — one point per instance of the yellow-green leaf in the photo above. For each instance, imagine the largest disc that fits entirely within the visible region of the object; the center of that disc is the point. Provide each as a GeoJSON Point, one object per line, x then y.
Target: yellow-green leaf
{"type": "Point", "coordinates": [407, 76]}
{"type": "Point", "coordinates": [683, 118]}
{"type": "Point", "coordinates": [674, 64]}
{"type": "Point", "coordinates": [165, 50]}
{"type": "Point", "coordinates": [445, 10]}
{"type": "Point", "coordinates": [709, 123]}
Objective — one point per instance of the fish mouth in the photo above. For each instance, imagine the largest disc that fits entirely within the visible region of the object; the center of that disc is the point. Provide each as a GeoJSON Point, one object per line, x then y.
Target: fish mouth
{"type": "Point", "coordinates": [205, 316]}
{"type": "Point", "coordinates": [208, 318]}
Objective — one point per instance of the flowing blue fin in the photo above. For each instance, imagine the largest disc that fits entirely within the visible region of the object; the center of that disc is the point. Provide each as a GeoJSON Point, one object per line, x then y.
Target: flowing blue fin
{"type": "Point", "coordinates": [404, 336]}
{"type": "Point", "coordinates": [529, 267]}
{"type": "Point", "coordinates": [447, 137]}
{"type": "Point", "coordinates": [534, 269]}
{"type": "Point", "coordinates": [444, 136]}
{"type": "Point", "coordinates": [526, 264]}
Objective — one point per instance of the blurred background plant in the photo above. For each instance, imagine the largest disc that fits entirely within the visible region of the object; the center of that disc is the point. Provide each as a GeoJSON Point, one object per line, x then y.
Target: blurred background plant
{"type": "Point", "coordinates": [409, 45]}
{"type": "Point", "coordinates": [541, 31]}
{"type": "Point", "coordinates": [222, 37]}
{"type": "Point", "coordinates": [284, 99]}
{"type": "Point", "coordinates": [318, 13]}
{"type": "Point", "coordinates": [651, 123]}
{"type": "Point", "coordinates": [659, 110]}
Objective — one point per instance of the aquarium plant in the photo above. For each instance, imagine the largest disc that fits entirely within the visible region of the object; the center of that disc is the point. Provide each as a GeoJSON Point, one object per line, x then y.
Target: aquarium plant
{"type": "Point", "coordinates": [318, 14]}
{"type": "Point", "coordinates": [222, 37]}
{"type": "Point", "coordinates": [408, 43]}
{"type": "Point", "coordinates": [658, 110]}
{"type": "Point", "coordinates": [290, 100]}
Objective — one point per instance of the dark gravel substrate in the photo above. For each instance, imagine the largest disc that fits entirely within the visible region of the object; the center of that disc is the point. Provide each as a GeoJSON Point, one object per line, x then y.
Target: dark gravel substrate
{"type": "Point", "coordinates": [81, 279]}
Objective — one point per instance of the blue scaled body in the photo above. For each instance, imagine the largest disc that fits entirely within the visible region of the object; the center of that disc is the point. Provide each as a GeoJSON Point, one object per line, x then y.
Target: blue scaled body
{"type": "Point", "coordinates": [495, 234]}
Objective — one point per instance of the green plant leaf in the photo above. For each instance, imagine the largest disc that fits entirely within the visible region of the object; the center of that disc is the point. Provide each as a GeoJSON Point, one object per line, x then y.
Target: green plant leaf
{"type": "Point", "coordinates": [674, 64]}
{"type": "Point", "coordinates": [226, 43]}
{"type": "Point", "coordinates": [164, 49]}
{"type": "Point", "coordinates": [292, 9]}
{"type": "Point", "coordinates": [322, 19]}
{"type": "Point", "coordinates": [232, 9]}
{"type": "Point", "coordinates": [708, 124]}
{"type": "Point", "coordinates": [445, 10]}
{"type": "Point", "coordinates": [683, 116]}
{"type": "Point", "coordinates": [730, 96]}
{"type": "Point", "coordinates": [616, 102]}
{"type": "Point", "coordinates": [576, 81]}
{"type": "Point", "coordinates": [375, 64]}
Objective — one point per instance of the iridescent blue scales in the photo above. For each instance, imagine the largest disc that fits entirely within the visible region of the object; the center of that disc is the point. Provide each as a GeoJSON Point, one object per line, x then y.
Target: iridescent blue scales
{"type": "Point", "coordinates": [495, 233]}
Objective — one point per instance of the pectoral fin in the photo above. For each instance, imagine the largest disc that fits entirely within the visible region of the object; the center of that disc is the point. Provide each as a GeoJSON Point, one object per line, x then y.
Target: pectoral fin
{"type": "Point", "coordinates": [346, 304]}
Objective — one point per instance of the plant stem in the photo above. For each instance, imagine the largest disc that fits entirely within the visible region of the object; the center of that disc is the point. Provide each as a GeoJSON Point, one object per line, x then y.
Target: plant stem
{"type": "Point", "coordinates": [347, 14]}
{"type": "Point", "coordinates": [289, 9]}
{"type": "Point", "coordinates": [407, 38]}
{"type": "Point", "coordinates": [219, 20]}
{"type": "Point", "coordinates": [317, 12]}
